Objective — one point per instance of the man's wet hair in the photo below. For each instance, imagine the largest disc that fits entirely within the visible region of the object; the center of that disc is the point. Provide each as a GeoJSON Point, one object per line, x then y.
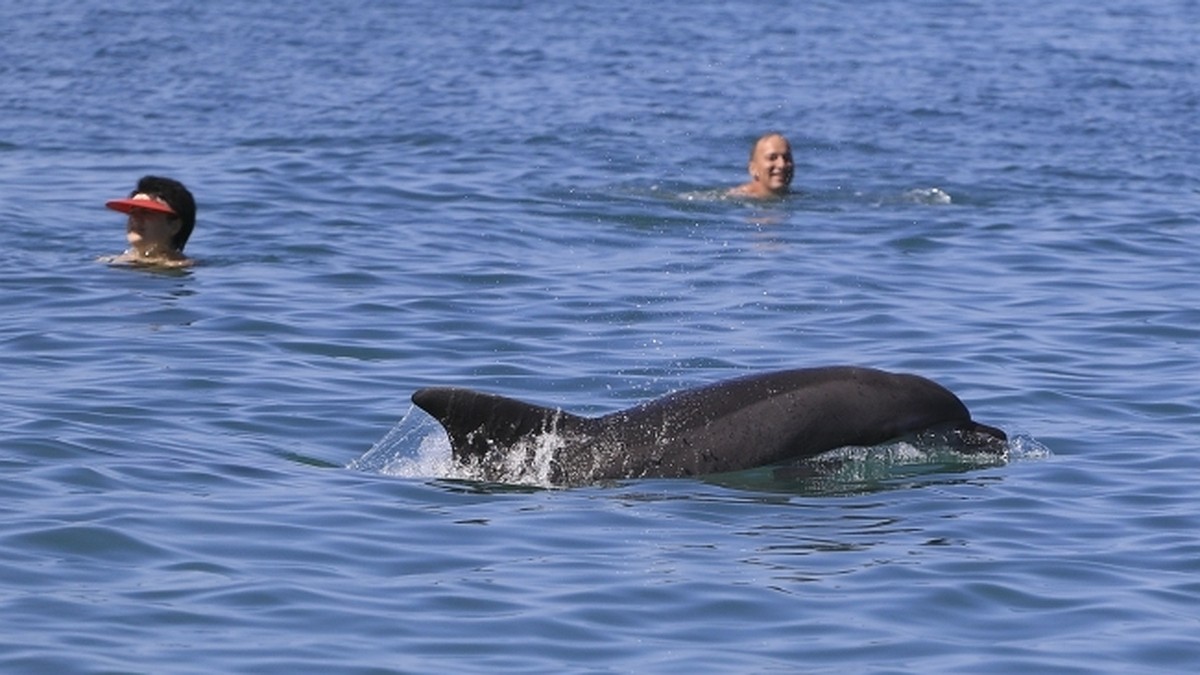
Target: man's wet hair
{"type": "Point", "coordinates": [758, 141]}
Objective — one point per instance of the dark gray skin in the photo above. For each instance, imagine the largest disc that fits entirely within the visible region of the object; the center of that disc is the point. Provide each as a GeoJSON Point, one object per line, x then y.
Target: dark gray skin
{"type": "Point", "coordinates": [733, 425]}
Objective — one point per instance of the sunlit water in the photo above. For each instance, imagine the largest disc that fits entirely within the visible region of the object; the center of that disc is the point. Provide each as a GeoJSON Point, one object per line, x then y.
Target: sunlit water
{"type": "Point", "coordinates": [219, 469]}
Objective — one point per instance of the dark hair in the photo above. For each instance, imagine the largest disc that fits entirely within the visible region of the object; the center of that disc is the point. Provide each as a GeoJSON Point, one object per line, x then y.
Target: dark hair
{"type": "Point", "coordinates": [180, 200]}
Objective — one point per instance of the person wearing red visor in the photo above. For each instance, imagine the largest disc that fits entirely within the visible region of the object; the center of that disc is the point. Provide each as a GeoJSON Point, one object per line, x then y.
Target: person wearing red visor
{"type": "Point", "coordinates": [162, 215]}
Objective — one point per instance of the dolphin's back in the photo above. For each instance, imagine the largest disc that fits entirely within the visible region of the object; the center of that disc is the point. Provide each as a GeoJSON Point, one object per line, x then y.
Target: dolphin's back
{"type": "Point", "coordinates": [764, 419]}
{"type": "Point", "coordinates": [728, 426]}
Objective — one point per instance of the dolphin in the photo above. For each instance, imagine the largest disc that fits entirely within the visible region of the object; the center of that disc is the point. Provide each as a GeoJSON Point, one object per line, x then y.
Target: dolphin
{"type": "Point", "coordinates": [751, 421]}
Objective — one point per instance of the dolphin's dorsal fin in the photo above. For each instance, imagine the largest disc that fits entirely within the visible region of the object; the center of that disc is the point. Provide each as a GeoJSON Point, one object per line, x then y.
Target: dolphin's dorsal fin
{"type": "Point", "coordinates": [478, 422]}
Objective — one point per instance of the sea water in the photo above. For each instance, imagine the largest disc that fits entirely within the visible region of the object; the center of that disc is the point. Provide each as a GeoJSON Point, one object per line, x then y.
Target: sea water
{"type": "Point", "coordinates": [527, 198]}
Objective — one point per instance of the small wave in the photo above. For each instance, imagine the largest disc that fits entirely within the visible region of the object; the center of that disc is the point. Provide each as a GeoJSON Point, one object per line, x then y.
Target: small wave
{"type": "Point", "coordinates": [1023, 446]}
{"type": "Point", "coordinates": [713, 195]}
{"type": "Point", "coordinates": [865, 470]}
{"type": "Point", "coordinates": [416, 447]}
{"type": "Point", "coordinates": [932, 196]}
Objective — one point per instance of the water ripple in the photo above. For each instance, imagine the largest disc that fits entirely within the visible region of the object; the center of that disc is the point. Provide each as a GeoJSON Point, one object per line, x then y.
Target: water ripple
{"type": "Point", "coordinates": [529, 200]}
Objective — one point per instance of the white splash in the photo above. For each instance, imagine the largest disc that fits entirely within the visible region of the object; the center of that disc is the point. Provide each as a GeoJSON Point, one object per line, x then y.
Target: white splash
{"type": "Point", "coordinates": [530, 462]}
{"type": "Point", "coordinates": [931, 196]}
{"type": "Point", "coordinates": [416, 447]}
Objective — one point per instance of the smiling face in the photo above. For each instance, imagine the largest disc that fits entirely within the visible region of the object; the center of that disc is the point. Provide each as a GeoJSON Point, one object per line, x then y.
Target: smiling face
{"type": "Point", "coordinates": [771, 167]}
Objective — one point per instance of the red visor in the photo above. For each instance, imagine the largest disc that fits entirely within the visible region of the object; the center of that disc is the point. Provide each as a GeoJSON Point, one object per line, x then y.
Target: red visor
{"type": "Point", "coordinates": [139, 201]}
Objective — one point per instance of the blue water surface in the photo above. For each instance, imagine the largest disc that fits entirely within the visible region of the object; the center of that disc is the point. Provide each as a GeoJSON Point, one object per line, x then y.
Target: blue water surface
{"type": "Point", "coordinates": [218, 469]}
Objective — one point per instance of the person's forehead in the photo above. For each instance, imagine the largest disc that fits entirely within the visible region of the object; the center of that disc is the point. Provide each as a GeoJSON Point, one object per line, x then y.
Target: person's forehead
{"type": "Point", "coordinates": [774, 144]}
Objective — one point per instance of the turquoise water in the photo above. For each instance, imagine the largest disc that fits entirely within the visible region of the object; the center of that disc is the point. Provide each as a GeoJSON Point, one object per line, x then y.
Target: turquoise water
{"type": "Point", "coordinates": [218, 470]}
